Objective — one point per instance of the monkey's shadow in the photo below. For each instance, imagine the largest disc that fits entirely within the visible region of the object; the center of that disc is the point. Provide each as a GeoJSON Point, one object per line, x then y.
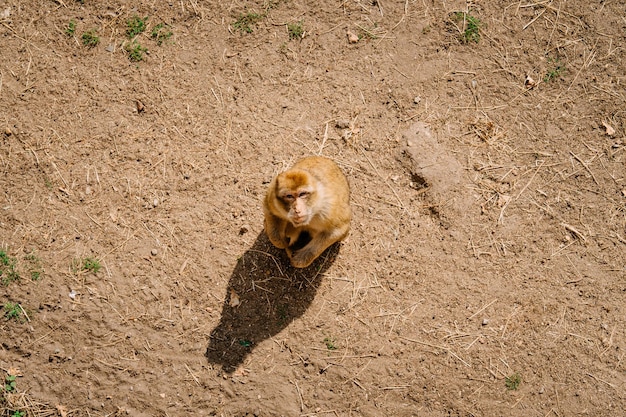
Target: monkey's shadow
{"type": "Point", "coordinates": [265, 293]}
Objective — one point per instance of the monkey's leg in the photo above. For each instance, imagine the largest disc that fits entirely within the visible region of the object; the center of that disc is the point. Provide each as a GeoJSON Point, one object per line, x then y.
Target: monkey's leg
{"type": "Point", "coordinates": [305, 256]}
{"type": "Point", "coordinates": [302, 258]}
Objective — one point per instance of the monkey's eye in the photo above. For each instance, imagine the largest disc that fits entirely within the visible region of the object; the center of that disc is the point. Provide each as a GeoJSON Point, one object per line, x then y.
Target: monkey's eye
{"type": "Point", "coordinates": [288, 197]}
{"type": "Point", "coordinates": [303, 194]}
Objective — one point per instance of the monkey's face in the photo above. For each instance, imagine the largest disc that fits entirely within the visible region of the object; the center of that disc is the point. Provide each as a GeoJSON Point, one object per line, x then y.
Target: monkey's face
{"type": "Point", "coordinates": [296, 193]}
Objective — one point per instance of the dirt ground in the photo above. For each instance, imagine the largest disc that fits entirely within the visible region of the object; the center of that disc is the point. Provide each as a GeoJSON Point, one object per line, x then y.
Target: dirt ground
{"type": "Point", "coordinates": [485, 273]}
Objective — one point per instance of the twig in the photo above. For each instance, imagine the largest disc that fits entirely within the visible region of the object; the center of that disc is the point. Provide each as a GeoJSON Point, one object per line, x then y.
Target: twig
{"type": "Point", "coordinates": [323, 140]}
{"type": "Point", "coordinates": [574, 231]}
{"type": "Point", "coordinates": [24, 311]}
{"type": "Point", "coordinates": [533, 21]}
{"type": "Point", "coordinates": [585, 165]}
{"type": "Point", "coordinates": [192, 375]}
{"type": "Point", "coordinates": [299, 395]}
{"type": "Point", "coordinates": [530, 181]}
{"type": "Point", "coordinates": [601, 380]}
{"type": "Point", "coordinates": [447, 349]}
{"type": "Point", "coordinates": [482, 309]}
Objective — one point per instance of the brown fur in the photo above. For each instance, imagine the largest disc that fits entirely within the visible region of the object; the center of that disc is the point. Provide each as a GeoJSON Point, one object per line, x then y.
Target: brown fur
{"type": "Point", "coordinates": [307, 209]}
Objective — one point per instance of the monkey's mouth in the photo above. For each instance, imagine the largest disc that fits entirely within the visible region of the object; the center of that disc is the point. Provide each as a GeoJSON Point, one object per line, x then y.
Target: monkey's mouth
{"type": "Point", "coordinates": [300, 221]}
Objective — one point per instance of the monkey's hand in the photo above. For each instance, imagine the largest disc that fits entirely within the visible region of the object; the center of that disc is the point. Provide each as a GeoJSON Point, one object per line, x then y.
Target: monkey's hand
{"type": "Point", "coordinates": [302, 257]}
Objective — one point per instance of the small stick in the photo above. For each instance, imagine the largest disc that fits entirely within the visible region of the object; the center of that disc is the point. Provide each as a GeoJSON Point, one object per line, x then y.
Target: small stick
{"type": "Point", "coordinates": [533, 21]}
{"type": "Point", "coordinates": [323, 140]}
{"type": "Point", "coordinates": [585, 165]}
{"type": "Point", "coordinates": [518, 401]}
{"type": "Point", "coordinates": [299, 395]}
{"type": "Point", "coordinates": [192, 375]}
{"type": "Point", "coordinates": [482, 309]}
{"type": "Point", "coordinates": [437, 347]}
{"type": "Point", "coordinates": [600, 380]}
{"type": "Point", "coordinates": [531, 180]}
{"type": "Point", "coordinates": [24, 311]}
{"type": "Point", "coordinates": [92, 219]}
{"type": "Point", "coordinates": [576, 233]}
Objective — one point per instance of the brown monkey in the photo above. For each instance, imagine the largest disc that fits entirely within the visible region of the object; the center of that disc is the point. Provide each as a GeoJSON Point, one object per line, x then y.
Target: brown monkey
{"type": "Point", "coordinates": [307, 209]}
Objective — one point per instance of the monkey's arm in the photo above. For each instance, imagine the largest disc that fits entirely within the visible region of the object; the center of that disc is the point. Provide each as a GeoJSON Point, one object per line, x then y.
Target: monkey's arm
{"type": "Point", "coordinates": [275, 230]}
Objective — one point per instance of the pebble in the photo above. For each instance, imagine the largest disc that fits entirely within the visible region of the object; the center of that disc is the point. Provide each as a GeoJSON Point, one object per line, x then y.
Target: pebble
{"type": "Point", "coordinates": [343, 124]}
{"type": "Point", "coordinates": [154, 252]}
{"type": "Point", "coordinates": [485, 322]}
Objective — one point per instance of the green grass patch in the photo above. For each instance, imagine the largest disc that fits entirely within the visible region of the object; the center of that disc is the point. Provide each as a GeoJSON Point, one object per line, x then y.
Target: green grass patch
{"type": "Point", "coordinates": [295, 30]}
{"type": "Point", "coordinates": [34, 266]}
{"type": "Point", "coordinates": [71, 28]}
{"type": "Point", "coordinates": [469, 26]}
{"type": "Point", "coordinates": [135, 51]}
{"type": "Point", "coordinates": [12, 311]}
{"type": "Point", "coordinates": [90, 38]}
{"type": "Point", "coordinates": [557, 69]}
{"type": "Point", "coordinates": [8, 273]}
{"type": "Point", "coordinates": [161, 33]}
{"type": "Point", "coordinates": [10, 383]}
{"type": "Point", "coordinates": [135, 26]}
{"type": "Point", "coordinates": [246, 22]}
{"type": "Point", "coordinates": [512, 382]}
{"type": "Point", "coordinates": [330, 343]}
{"type": "Point", "coordinates": [86, 265]}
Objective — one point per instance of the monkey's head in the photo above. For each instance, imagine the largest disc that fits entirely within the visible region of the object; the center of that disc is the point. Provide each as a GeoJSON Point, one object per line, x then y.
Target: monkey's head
{"type": "Point", "coordinates": [297, 193]}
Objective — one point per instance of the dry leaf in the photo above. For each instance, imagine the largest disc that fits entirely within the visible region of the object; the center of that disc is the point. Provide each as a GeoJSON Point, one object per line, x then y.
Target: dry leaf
{"type": "Point", "coordinates": [140, 106]}
{"type": "Point", "coordinates": [62, 410]}
{"type": "Point", "coordinates": [609, 129]}
{"type": "Point", "coordinates": [241, 371]}
{"type": "Point", "coordinates": [14, 372]}
{"type": "Point", "coordinates": [234, 299]}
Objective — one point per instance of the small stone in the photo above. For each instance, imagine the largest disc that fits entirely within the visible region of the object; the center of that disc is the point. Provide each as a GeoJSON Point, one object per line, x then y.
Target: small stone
{"type": "Point", "coordinates": [7, 131]}
{"type": "Point", "coordinates": [485, 322]}
{"type": "Point", "coordinates": [352, 38]}
{"type": "Point", "coordinates": [244, 229]}
{"type": "Point", "coordinates": [343, 124]}
{"type": "Point", "coordinates": [155, 202]}
{"type": "Point", "coordinates": [110, 48]}
{"type": "Point", "coordinates": [154, 252]}
{"type": "Point", "coordinates": [417, 99]}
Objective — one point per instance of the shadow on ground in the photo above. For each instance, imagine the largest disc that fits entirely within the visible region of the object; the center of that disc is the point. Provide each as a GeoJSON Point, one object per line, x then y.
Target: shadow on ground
{"type": "Point", "coordinates": [265, 293]}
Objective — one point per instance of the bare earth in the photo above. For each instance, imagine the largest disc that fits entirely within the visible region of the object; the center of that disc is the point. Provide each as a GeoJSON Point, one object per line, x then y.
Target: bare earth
{"type": "Point", "coordinates": [485, 273]}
